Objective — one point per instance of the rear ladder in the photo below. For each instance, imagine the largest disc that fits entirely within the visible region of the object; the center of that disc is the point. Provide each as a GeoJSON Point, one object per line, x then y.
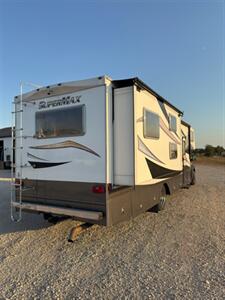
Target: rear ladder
{"type": "Point", "coordinates": [17, 167]}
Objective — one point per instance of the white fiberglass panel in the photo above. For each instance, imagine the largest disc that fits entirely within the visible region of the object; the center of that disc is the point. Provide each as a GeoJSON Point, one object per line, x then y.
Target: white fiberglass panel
{"type": "Point", "coordinates": [70, 158]}
{"type": "Point", "coordinates": [123, 137]}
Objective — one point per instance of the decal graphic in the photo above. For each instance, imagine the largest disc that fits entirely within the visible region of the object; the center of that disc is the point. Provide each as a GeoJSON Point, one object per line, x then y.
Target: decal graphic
{"type": "Point", "coordinates": [168, 132]}
{"type": "Point", "coordinates": [144, 149]}
{"type": "Point", "coordinates": [183, 133]}
{"type": "Point", "coordinates": [39, 165]}
{"type": "Point", "coordinates": [141, 119]}
{"type": "Point", "coordinates": [161, 172]}
{"type": "Point", "coordinates": [66, 144]}
{"type": "Point", "coordinates": [59, 102]}
{"type": "Point", "coordinates": [162, 106]}
{"type": "Point", "coordinates": [35, 157]}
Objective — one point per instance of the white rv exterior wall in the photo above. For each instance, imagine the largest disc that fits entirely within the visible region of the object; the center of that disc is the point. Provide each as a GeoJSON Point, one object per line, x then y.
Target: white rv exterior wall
{"type": "Point", "coordinates": [82, 166]}
{"type": "Point", "coordinates": [123, 137]}
{"type": "Point", "coordinates": [159, 147]}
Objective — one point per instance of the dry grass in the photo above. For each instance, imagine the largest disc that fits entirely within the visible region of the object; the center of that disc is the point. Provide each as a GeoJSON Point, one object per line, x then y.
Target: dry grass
{"type": "Point", "coordinates": [216, 160]}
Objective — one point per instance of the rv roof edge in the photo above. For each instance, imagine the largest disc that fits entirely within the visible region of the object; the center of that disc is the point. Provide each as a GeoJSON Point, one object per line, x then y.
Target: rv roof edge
{"type": "Point", "coordinates": [138, 82]}
{"type": "Point", "coordinates": [79, 85]}
{"type": "Point", "coordinates": [64, 87]}
{"type": "Point", "coordinates": [185, 123]}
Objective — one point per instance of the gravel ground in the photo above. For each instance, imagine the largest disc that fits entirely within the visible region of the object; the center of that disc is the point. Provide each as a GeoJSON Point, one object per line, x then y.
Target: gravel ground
{"type": "Point", "coordinates": [176, 254]}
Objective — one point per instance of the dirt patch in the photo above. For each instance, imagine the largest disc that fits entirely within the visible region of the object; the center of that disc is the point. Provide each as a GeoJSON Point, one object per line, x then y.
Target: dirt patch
{"type": "Point", "coordinates": [176, 254]}
{"type": "Point", "coordinates": [203, 160]}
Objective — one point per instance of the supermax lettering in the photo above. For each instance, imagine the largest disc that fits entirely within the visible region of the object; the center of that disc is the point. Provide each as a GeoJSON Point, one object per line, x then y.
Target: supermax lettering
{"type": "Point", "coordinates": [59, 102]}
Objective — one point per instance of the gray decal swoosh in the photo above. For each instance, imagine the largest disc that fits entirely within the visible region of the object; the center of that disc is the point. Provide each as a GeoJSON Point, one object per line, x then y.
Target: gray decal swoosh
{"type": "Point", "coordinates": [144, 149]}
{"type": "Point", "coordinates": [168, 132]}
{"type": "Point", "coordinates": [162, 106]}
{"type": "Point", "coordinates": [66, 144]}
{"type": "Point", "coordinates": [35, 157]}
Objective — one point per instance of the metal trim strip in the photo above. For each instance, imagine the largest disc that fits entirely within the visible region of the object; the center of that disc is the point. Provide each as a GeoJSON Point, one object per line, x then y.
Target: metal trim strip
{"type": "Point", "coordinates": [84, 214]}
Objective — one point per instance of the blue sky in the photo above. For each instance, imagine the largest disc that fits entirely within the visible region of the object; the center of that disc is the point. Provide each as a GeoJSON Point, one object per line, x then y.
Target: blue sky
{"type": "Point", "coordinates": [177, 47]}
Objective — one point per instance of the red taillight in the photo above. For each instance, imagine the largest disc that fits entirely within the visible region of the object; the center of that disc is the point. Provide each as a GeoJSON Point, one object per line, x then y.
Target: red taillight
{"type": "Point", "coordinates": [98, 189]}
{"type": "Point", "coordinates": [18, 182]}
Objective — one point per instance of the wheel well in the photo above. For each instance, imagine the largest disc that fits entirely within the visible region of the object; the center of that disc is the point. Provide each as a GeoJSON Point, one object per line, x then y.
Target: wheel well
{"type": "Point", "coordinates": [167, 188]}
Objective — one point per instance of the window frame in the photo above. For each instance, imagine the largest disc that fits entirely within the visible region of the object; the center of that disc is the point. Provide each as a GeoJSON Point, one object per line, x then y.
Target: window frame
{"type": "Point", "coordinates": [82, 106]}
{"type": "Point", "coordinates": [170, 127]}
{"type": "Point", "coordinates": [144, 124]}
{"type": "Point", "coordinates": [170, 145]}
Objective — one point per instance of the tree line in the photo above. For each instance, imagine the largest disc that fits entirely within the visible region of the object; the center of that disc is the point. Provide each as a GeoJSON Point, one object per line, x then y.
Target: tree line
{"type": "Point", "coordinates": [210, 150]}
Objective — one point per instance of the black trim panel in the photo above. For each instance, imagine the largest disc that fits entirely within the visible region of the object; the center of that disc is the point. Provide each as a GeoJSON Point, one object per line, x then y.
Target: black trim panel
{"type": "Point", "coordinates": [160, 172]}
{"type": "Point", "coordinates": [162, 106]}
{"type": "Point", "coordinates": [39, 165]}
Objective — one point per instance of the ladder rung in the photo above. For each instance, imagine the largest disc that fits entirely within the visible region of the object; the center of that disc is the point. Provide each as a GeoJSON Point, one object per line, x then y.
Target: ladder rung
{"type": "Point", "coordinates": [22, 136]}
{"type": "Point", "coordinates": [14, 148]}
{"type": "Point", "coordinates": [17, 111]}
{"type": "Point", "coordinates": [19, 102]}
{"type": "Point", "coordinates": [20, 129]}
{"type": "Point", "coordinates": [28, 188]}
{"type": "Point", "coordinates": [19, 166]}
{"type": "Point", "coordinates": [16, 184]}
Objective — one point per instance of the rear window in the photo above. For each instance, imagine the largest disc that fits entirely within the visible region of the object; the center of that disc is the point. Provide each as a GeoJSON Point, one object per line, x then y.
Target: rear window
{"type": "Point", "coordinates": [69, 121]}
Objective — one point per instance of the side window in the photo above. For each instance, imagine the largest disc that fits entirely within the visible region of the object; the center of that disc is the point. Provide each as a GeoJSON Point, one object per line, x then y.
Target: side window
{"type": "Point", "coordinates": [151, 125]}
{"type": "Point", "coordinates": [173, 150]}
{"type": "Point", "coordinates": [173, 123]}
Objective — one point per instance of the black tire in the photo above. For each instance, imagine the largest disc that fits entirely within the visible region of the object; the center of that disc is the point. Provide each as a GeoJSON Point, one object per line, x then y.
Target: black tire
{"type": "Point", "coordinates": [193, 177]}
{"type": "Point", "coordinates": [162, 201]}
{"type": "Point", "coordinates": [53, 219]}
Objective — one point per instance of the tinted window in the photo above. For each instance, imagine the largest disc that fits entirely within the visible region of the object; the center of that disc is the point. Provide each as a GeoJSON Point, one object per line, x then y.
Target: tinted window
{"type": "Point", "coordinates": [173, 123]}
{"type": "Point", "coordinates": [173, 151]}
{"type": "Point", "coordinates": [151, 125]}
{"type": "Point", "coordinates": [61, 122]}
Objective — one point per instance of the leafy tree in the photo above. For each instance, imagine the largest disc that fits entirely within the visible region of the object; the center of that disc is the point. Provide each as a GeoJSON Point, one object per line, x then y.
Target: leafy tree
{"type": "Point", "coordinates": [209, 150]}
{"type": "Point", "coordinates": [219, 150]}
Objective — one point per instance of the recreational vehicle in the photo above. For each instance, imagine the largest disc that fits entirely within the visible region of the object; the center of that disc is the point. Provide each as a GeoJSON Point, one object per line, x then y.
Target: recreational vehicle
{"type": "Point", "coordinates": [5, 148]}
{"type": "Point", "coordinates": [99, 150]}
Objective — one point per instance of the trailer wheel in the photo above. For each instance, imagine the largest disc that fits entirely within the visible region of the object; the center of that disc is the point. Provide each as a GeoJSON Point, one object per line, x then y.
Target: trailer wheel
{"type": "Point", "coordinates": [162, 201]}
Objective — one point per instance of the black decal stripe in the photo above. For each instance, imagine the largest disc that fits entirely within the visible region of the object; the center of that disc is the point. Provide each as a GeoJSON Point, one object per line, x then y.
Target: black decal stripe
{"type": "Point", "coordinates": [183, 133]}
{"type": "Point", "coordinates": [160, 172]}
{"type": "Point", "coordinates": [39, 165]}
{"type": "Point", "coordinates": [162, 106]}
{"type": "Point", "coordinates": [168, 132]}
